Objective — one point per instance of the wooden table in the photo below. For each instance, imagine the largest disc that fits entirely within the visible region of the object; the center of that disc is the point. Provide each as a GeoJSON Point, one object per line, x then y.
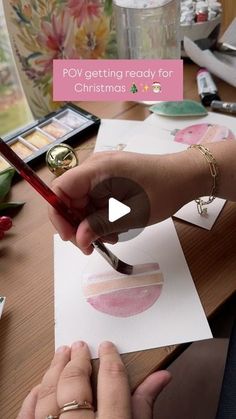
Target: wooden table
{"type": "Point", "coordinates": [229, 12]}
{"type": "Point", "coordinates": [26, 273]}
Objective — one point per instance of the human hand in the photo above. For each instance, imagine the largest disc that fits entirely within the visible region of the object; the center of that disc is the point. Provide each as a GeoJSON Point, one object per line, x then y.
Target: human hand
{"type": "Point", "coordinates": [164, 181]}
{"type": "Point", "coordinates": [68, 380]}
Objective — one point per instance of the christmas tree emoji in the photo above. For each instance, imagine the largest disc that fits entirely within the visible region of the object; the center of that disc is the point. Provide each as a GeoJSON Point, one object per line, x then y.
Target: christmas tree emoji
{"type": "Point", "coordinates": [133, 88]}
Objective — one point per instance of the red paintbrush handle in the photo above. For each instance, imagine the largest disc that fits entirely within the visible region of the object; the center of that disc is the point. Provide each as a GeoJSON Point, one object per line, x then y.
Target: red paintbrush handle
{"type": "Point", "coordinates": [30, 176]}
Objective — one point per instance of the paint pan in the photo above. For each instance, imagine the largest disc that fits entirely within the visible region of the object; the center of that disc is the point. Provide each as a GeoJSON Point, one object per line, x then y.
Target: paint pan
{"type": "Point", "coordinates": [38, 139]}
{"type": "Point", "coordinates": [21, 149]}
{"type": "Point", "coordinates": [55, 129]}
{"type": "Point", "coordinates": [72, 120]}
{"type": "Point", "coordinates": [3, 164]}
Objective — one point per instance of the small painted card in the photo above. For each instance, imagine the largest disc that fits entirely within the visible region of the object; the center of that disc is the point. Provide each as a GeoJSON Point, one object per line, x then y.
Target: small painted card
{"type": "Point", "coordinates": [158, 306]}
{"type": "Point", "coordinates": [196, 130]}
{"type": "Point", "coordinates": [155, 137]}
{"type": "Point", "coordinates": [111, 133]}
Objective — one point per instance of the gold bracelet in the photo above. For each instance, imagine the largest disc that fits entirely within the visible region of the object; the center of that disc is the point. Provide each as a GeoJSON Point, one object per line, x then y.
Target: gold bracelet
{"type": "Point", "coordinates": [214, 173]}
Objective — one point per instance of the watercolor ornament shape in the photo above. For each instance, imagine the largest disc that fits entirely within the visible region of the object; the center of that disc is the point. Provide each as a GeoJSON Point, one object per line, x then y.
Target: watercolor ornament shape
{"type": "Point", "coordinates": [203, 133]}
{"type": "Point", "coordinates": [44, 30]}
{"type": "Point", "coordinates": [124, 295]}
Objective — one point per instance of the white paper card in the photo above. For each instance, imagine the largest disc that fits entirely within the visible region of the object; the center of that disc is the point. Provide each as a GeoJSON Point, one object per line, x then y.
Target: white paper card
{"type": "Point", "coordinates": [189, 213]}
{"type": "Point", "coordinates": [229, 36]}
{"type": "Point", "coordinates": [172, 124]}
{"type": "Point", "coordinates": [152, 139]}
{"type": "Point", "coordinates": [2, 302]}
{"type": "Point", "coordinates": [208, 60]}
{"type": "Point", "coordinates": [111, 133]}
{"type": "Point", "coordinates": [175, 317]}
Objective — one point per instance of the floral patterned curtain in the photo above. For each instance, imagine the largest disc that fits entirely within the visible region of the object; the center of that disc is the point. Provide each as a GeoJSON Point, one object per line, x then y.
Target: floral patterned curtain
{"type": "Point", "coordinates": [44, 30]}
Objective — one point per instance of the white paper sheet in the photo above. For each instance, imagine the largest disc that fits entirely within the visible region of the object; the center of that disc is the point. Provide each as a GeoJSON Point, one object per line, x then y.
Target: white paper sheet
{"type": "Point", "coordinates": [189, 213]}
{"type": "Point", "coordinates": [111, 133]}
{"type": "Point", "coordinates": [2, 302]}
{"type": "Point", "coordinates": [154, 140]}
{"type": "Point", "coordinates": [175, 317]}
{"type": "Point", "coordinates": [208, 60]}
{"type": "Point", "coordinates": [229, 36]}
{"type": "Point", "coordinates": [170, 124]}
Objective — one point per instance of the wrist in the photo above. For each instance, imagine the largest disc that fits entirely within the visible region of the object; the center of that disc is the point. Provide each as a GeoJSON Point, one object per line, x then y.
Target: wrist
{"type": "Point", "coordinates": [222, 162]}
{"type": "Point", "coordinates": [178, 178]}
{"type": "Point", "coordinates": [191, 177]}
{"type": "Point", "coordinates": [204, 171]}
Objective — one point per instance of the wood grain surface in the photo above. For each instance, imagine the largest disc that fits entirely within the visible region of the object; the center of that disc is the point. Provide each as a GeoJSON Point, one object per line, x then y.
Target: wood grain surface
{"type": "Point", "coordinates": [229, 12]}
{"type": "Point", "coordinates": [26, 273]}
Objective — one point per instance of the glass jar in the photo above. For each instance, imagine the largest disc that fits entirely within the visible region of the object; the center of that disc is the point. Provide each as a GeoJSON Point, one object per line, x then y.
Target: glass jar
{"type": "Point", "coordinates": [147, 28]}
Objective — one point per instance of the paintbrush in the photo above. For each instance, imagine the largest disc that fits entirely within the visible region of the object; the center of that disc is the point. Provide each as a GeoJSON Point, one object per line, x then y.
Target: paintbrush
{"type": "Point", "coordinates": [34, 180]}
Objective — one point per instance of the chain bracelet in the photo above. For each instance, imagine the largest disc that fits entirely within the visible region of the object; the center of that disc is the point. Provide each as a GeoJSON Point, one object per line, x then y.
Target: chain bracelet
{"type": "Point", "coordinates": [214, 174]}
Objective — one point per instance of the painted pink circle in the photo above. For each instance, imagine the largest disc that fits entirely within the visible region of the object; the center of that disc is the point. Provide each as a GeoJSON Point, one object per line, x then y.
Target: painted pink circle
{"type": "Point", "coordinates": [126, 303]}
{"type": "Point", "coordinates": [122, 295]}
{"type": "Point", "coordinates": [203, 133]}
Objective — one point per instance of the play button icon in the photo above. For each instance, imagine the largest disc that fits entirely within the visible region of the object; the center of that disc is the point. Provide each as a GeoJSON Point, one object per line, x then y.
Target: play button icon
{"type": "Point", "coordinates": [116, 210]}
{"type": "Point", "coordinates": [118, 205]}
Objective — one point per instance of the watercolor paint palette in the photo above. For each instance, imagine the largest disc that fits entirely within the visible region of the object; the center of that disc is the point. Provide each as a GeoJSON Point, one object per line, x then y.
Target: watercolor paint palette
{"type": "Point", "coordinates": [69, 125]}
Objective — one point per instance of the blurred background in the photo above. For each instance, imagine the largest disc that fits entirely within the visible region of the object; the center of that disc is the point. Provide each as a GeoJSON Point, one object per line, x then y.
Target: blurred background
{"type": "Point", "coordinates": [14, 110]}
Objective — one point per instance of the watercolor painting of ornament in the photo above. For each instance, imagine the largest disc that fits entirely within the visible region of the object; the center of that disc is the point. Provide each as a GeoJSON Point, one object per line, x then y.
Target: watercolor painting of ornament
{"type": "Point", "coordinates": [43, 30]}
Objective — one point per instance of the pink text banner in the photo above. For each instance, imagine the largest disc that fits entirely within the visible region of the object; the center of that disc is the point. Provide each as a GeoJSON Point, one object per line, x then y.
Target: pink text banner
{"type": "Point", "coordinates": [117, 80]}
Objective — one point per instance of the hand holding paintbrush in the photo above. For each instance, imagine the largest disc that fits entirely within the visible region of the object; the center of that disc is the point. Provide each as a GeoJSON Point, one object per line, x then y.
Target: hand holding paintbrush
{"type": "Point", "coordinates": [30, 176]}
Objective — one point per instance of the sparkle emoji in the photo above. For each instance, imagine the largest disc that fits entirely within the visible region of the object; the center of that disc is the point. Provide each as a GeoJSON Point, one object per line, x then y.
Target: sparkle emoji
{"type": "Point", "coordinates": [156, 87]}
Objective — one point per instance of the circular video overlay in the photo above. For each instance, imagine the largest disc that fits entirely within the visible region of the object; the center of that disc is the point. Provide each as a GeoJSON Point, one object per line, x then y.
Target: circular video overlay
{"type": "Point", "coordinates": [119, 206]}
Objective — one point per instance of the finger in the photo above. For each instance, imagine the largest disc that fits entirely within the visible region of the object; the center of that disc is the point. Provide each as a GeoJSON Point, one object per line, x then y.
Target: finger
{"type": "Point", "coordinates": [85, 236]}
{"type": "Point", "coordinates": [146, 394]}
{"type": "Point", "coordinates": [80, 203]}
{"type": "Point", "coordinates": [47, 397]}
{"type": "Point", "coordinates": [29, 404]}
{"type": "Point", "coordinates": [113, 387]}
{"type": "Point", "coordinates": [75, 183]}
{"type": "Point", "coordinates": [66, 232]}
{"type": "Point", "coordinates": [74, 383]}
{"type": "Point", "coordinates": [110, 238]}
{"type": "Point", "coordinates": [74, 198]}
{"type": "Point", "coordinates": [61, 225]}
{"type": "Point", "coordinates": [97, 225]}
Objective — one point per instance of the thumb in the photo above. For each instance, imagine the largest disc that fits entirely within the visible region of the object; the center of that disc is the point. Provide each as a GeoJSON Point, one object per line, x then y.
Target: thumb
{"type": "Point", "coordinates": [97, 226]}
{"type": "Point", "coordinates": [145, 395]}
